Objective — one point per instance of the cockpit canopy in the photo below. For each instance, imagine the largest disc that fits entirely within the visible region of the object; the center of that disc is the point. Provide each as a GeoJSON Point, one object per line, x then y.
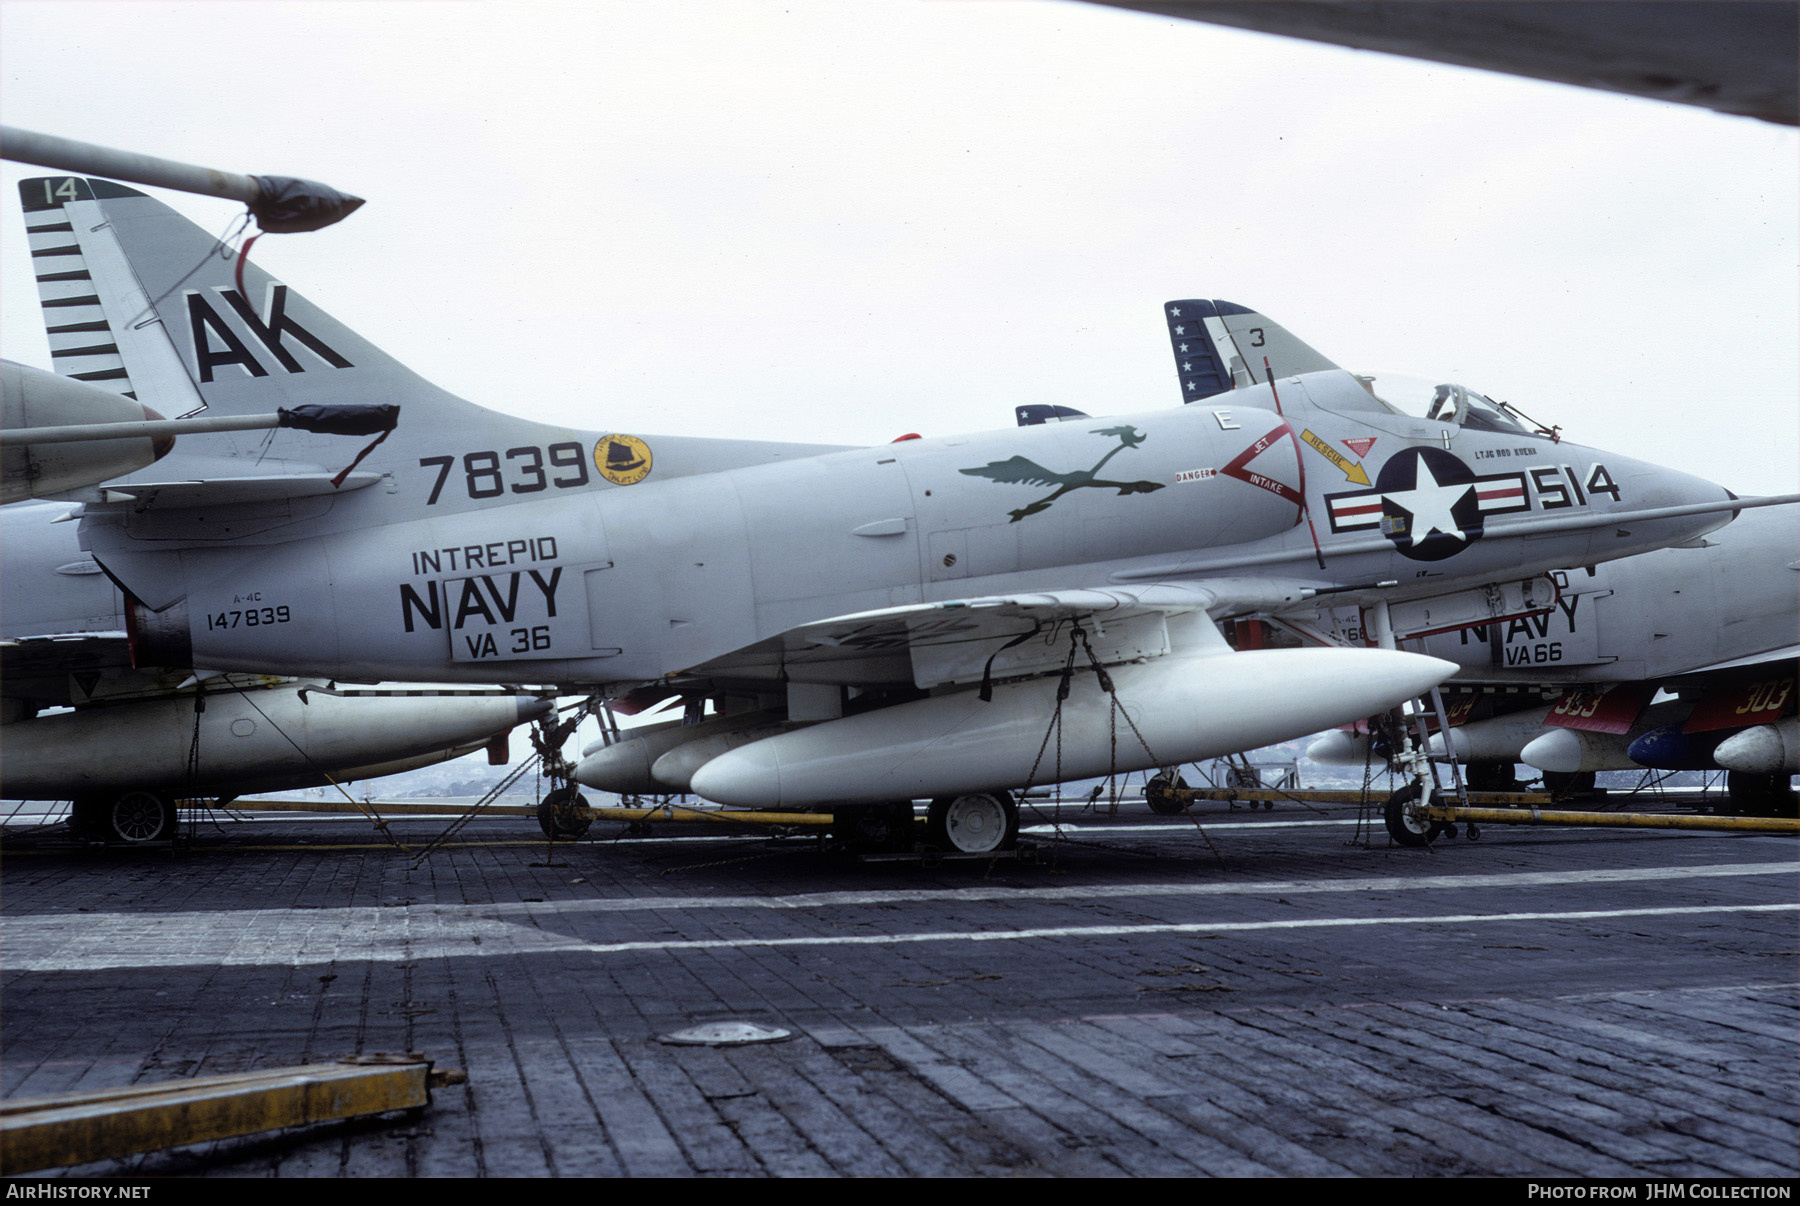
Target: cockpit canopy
{"type": "Point", "coordinates": [1447, 402]}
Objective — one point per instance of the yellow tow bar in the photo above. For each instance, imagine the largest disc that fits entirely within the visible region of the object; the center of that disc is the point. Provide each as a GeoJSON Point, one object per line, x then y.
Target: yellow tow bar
{"type": "Point", "coordinates": [1618, 820]}
{"type": "Point", "coordinates": [79, 1128]}
{"type": "Point", "coordinates": [658, 812]}
{"type": "Point", "coordinates": [1320, 795]}
{"type": "Point", "coordinates": [720, 816]}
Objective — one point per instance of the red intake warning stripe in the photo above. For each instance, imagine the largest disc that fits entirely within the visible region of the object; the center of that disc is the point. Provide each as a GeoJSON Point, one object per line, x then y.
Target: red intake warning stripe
{"type": "Point", "coordinates": [1261, 481]}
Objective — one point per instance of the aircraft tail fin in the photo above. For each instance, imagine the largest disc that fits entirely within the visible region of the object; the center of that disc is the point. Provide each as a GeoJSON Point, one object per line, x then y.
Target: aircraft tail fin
{"type": "Point", "coordinates": [1033, 413]}
{"type": "Point", "coordinates": [90, 297]}
{"type": "Point", "coordinates": [1220, 346]}
{"type": "Point", "coordinates": [141, 300]}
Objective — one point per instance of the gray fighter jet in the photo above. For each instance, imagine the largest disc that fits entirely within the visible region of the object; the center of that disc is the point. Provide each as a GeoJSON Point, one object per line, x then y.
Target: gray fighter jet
{"type": "Point", "coordinates": [949, 617]}
{"type": "Point", "coordinates": [1679, 659]}
{"type": "Point", "coordinates": [1682, 659]}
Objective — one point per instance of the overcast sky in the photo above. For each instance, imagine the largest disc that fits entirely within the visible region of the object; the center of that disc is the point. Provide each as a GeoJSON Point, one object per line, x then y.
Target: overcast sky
{"type": "Point", "coordinates": [840, 222]}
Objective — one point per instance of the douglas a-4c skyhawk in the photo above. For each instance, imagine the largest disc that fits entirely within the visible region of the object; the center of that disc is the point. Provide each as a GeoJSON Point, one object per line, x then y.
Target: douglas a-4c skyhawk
{"type": "Point", "coordinates": [946, 618]}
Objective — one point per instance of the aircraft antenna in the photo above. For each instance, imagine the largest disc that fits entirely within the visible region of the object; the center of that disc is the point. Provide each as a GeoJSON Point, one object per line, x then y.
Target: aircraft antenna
{"type": "Point", "coordinates": [1305, 510]}
{"type": "Point", "coordinates": [1555, 433]}
{"type": "Point", "coordinates": [280, 204]}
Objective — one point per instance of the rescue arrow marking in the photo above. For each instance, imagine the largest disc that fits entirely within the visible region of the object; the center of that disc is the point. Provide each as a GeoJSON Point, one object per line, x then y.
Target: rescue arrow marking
{"type": "Point", "coordinates": [1352, 470]}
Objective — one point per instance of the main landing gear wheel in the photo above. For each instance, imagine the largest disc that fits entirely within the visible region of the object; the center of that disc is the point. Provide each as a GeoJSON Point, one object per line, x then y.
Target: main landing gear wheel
{"type": "Point", "coordinates": [140, 816]}
{"type": "Point", "coordinates": [1404, 824]}
{"type": "Point", "coordinates": [562, 815]}
{"type": "Point", "coordinates": [1491, 776]}
{"type": "Point", "coordinates": [1156, 794]}
{"type": "Point", "coordinates": [976, 823]}
{"type": "Point", "coordinates": [1569, 785]}
{"type": "Point", "coordinates": [874, 828]}
{"type": "Point", "coordinates": [1754, 795]}
{"type": "Point", "coordinates": [87, 819]}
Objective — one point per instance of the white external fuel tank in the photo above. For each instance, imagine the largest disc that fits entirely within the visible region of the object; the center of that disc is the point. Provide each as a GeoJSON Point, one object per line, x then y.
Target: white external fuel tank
{"type": "Point", "coordinates": [1572, 751]}
{"type": "Point", "coordinates": [31, 397]}
{"type": "Point", "coordinates": [625, 766]}
{"type": "Point", "coordinates": [1185, 707]}
{"type": "Point", "coordinates": [1578, 751]}
{"type": "Point", "coordinates": [1767, 749]}
{"type": "Point", "coordinates": [253, 741]}
{"type": "Point", "coordinates": [1497, 739]}
{"type": "Point", "coordinates": [676, 768]}
{"type": "Point", "coordinates": [1340, 748]}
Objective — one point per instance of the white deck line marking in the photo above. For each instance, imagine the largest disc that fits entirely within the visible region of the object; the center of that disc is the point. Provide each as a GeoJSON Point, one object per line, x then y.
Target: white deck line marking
{"type": "Point", "coordinates": [1173, 927]}
{"type": "Point", "coordinates": [405, 943]}
{"type": "Point", "coordinates": [990, 892]}
{"type": "Point", "coordinates": [1274, 887]}
{"type": "Point", "coordinates": [95, 941]}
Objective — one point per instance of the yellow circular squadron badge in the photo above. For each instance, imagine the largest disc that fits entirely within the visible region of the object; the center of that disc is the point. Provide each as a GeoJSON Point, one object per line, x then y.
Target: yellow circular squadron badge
{"type": "Point", "coordinates": [622, 460]}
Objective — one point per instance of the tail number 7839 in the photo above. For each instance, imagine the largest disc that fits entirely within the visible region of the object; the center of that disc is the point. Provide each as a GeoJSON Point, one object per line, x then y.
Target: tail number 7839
{"type": "Point", "coordinates": [523, 470]}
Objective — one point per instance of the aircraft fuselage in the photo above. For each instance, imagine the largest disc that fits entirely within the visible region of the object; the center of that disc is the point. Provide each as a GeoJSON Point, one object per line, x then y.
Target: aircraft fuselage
{"type": "Point", "coordinates": [529, 565]}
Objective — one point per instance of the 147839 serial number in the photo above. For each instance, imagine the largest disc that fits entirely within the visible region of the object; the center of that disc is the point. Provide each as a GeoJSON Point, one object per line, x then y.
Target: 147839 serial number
{"type": "Point", "coordinates": [249, 618]}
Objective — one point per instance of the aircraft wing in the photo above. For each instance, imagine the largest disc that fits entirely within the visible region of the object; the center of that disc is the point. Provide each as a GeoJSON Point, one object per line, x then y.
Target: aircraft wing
{"type": "Point", "coordinates": [1732, 58]}
{"type": "Point", "coordinates": [62, 653]}
{"type": "Point", "coordinates": [958, 641]}
{"type": "Point", "coordinates": [56, 668]}
{"type": "Point", "coordinates": [305, 481]}
{"type": "Point", "coordinates": [69, 669]}
{"type": "Point", "coordinates": [1766, 658]}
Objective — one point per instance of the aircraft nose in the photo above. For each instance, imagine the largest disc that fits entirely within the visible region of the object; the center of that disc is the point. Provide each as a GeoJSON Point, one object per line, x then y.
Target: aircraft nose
{"type": "Point", "coordinates": [1658, 486]}
{"type": "Point", "coordinates": [1644, 487]}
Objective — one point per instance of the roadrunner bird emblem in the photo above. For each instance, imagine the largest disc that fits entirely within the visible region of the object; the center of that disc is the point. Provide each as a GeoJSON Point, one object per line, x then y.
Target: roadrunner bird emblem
{"type": "Point", "coordinates": [1023, 471]}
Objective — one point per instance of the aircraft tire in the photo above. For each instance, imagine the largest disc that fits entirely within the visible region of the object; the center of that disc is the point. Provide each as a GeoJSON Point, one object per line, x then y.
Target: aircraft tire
{"type": "Point", "coordinates": [140, 816]}
{"type": "Point", "coordinates": [1156, 795]}
{"type": "Point", "coordinates": [1569, 785]}
{"type": "Point", "coordinates": [1754, 795]}
{"type": "Point", "coordinates": [1491, 776]}
{"type": "Point", "coordinates": [875, 828]}
{"type": "Point", "coordinates": [973, 823]}
{"type": "Point", "coordinates": [562, 815]}
{"type": "Point", "coordinates": [1401, 826]}
{"type": "Point", "coordinates": [87, 819]}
